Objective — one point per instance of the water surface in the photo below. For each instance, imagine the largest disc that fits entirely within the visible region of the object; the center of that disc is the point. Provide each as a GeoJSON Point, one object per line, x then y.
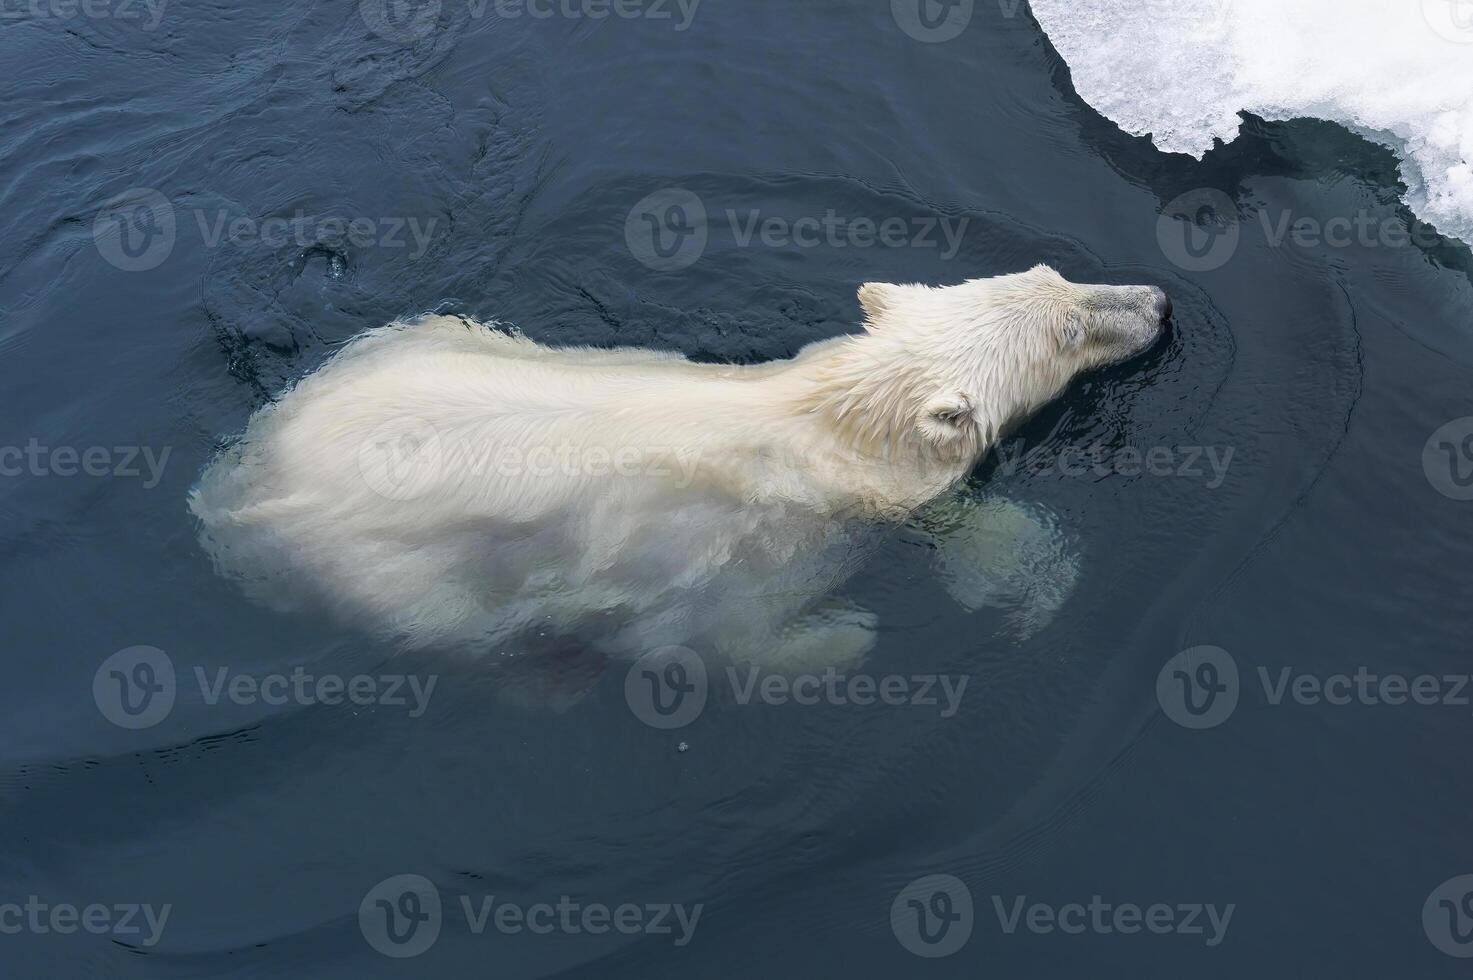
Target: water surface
{"type": "Point", "coordinates": [518, 147]}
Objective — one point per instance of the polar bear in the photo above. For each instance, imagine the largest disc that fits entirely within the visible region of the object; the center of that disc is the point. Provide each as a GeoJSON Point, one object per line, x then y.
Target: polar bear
{"type": "Point", "coordinates": [452, 483]}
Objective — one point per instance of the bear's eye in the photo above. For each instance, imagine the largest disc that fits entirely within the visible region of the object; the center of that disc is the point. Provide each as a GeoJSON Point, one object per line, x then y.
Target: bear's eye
{"type": "Point", "coordinates": [953, 416]}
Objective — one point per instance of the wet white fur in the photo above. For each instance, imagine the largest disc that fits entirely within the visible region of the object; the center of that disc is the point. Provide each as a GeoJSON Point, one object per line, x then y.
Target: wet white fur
{"type": "Point", "coordinates": [752, 495]}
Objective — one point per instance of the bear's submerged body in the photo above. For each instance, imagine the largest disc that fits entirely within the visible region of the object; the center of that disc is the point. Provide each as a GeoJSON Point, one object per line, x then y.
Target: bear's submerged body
{"type": "Point", "coordinates": [447, 482]}
{"type": "Point", "coordinates": [460, 483]}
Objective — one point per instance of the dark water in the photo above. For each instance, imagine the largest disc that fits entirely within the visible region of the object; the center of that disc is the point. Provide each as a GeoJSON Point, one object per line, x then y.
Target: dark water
{"type": "Point", "coordinates": [518, 146]}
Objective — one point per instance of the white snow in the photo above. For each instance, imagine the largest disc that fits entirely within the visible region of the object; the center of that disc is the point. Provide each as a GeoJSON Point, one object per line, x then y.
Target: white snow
{"type": "Point", "coordinates": [1396, 71]}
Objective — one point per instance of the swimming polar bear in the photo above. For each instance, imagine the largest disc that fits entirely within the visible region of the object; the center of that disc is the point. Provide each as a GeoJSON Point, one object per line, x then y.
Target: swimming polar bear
{"type": "Point", "coordinates": [452, 483]}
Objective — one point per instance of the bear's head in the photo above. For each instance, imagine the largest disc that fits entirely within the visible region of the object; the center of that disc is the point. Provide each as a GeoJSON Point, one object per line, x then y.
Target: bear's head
{"type": "Point", "coordinates": [965, 361]}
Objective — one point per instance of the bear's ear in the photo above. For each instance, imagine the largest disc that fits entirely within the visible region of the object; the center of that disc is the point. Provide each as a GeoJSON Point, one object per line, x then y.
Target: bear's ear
{"type": "Point", "coordinates": [947, 419]}
{"type": "Point", "coordinates": [876, 298]}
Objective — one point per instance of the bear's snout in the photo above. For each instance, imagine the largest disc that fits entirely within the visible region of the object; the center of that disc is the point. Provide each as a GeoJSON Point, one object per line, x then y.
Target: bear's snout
{"type": "Point", "coordinates": [1163, 304]}
{"type": "Point", "coordinates": [1127, 320]}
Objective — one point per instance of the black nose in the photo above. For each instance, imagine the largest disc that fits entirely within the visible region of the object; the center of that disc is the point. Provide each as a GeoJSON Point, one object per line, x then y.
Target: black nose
{"type": "Point", "coordinates": [1163, 305]}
